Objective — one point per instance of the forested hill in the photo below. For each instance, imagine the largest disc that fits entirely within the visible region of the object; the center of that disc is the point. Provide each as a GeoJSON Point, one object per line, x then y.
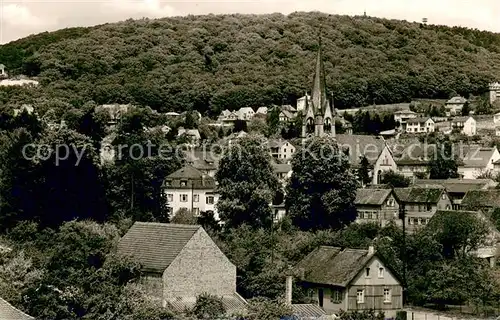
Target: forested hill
{"type": "Point", "coordinates": [215, 62]}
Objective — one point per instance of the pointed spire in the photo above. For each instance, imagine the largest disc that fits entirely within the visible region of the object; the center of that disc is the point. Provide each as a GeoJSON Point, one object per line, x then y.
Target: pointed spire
{"type": "Point", "coordinates": [318, 94]}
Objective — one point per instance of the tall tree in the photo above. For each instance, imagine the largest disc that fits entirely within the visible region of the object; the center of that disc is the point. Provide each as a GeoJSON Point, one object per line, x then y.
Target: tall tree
{"type": "Point", "coordinates": [364, 171]}
{"type": "Point", "coordinates": [444, 162]}
{"type": "Point", "coordinates": [395, 180]}
{"type": "Point", "coordinates": [144, 159]}
{"type": "Point", "coordinates": [322, 188]}
{"type": "Point", "coordinates": [273, 121]}
{"type": "Point", "coordinates": [247, 185]}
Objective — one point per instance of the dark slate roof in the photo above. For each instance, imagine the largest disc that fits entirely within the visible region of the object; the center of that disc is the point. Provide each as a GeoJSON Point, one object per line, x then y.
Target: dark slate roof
{"type": "Point", "coordinates": [155, 245]}
{"type": "Point", "coordinates": [414, 154]}
{"type": "Point", "coordinates": [202, 159]}
{"type": "Point", "coordinates": [9, 312]}
{"type": "Point", "coordinates": [478, 157]}
{"type": "Point", "coordinates": [332, 265]}
{"type": "Point", "coordinates": [308, 311]}
{"type": "Point", "coordinates": [458, 185]}
{"type": "Point", "coordinates": [361, 145]}
{"type": "Point", "coordinates": [461, 119]}
{"type": "Point", "coordinates": [194, 178]}
{"type": "Point", "coordinates": [282, 167]}
{"type": "Point", "coordinates": [371, 196]}
{"type": "Point", "coordinates": [418, 120]}
{"type": "Point", "coordinates": [419, 194]}
{"type": "Point", "coordinates": [482, 198]}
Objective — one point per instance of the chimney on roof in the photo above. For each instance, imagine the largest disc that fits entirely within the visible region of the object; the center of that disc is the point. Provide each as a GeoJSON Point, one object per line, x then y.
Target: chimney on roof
{"type": "Point", "coordinates": [289, 286]}
{"type": "Point", "coordinates": [288, 292]}
{"type": "Point", "coordinates": [371, 250]}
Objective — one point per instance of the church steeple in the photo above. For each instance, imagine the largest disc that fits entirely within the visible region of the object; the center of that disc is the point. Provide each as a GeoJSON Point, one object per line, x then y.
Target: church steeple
{"type": "Point", "coordinates": [318, 120]}
{"type": "Point", "coordinates": [318, 95]}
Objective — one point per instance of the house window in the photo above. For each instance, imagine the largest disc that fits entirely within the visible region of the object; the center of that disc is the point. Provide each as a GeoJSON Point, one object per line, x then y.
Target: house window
{"type": "Point", "coordinates": [183, 183]}
{"type": "Point", "coordinates": [390, 203]}
{"type": "Point", "coordinates": [380, 272]}
{"type": "Point", "coordinates": [169, 183]}
{"type": "Point", "coordinates": [196, 197]}
{"type": "Point", "coordinates": [443, 196]}
{"type": "Point", "coordinates": [367, 272]}
{"type": "Point", "coordinates": [360, 296]}
{"type": "Point", "coordinates": [210, 200]}
{"type": "Point", "coordinates": [410, 221]}
{"type": "Point", "coordinates": [387, 295]}
{"type": "Point", "coordinates": [336, 296]}
{"type": "Point", "coordinates": [170, 197]}
{"type": "Point", "coordinates": [184, 197]}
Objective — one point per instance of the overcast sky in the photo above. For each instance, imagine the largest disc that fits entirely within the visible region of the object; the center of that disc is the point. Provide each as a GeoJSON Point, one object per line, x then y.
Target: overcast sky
{"type": "Point", "coordinates": [20, 18]}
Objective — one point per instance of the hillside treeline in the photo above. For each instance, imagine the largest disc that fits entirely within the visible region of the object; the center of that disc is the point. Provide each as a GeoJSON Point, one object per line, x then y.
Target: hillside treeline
{"type": "Point", "coordinates": [214, 62]}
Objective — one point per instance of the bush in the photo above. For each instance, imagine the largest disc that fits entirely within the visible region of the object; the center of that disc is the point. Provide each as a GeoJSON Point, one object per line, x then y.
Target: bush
{"type": "Point", "coordinates": [208, 307]}
{"type": "Point", "coordinates": [401, 315]}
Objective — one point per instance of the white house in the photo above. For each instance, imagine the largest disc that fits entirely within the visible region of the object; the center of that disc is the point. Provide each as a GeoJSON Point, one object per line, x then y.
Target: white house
{"type": "Point", "coordinates": [3, 73]}
{"type": "Point", "coordinates": [193, 135]}
{"type": "Point", "coordinates": [403, 116]}
{"type": "Point", "coordinates": [496, 118]}
{"type": "Point", "coordinates": [286, 116]}
{"type": "Point", "coordinates": [494, 91]}
{"type": "Point", "coordinates": [281, 149]}
{"type": "Point", "coordinates": [465, 125]}
{"type": "Point", "coordinates": [478, 160]}
{"type": "Point", "coordinates": [420, 125]}
{"type": "Point", "coordinates": [228, 116]}
{"type": "Point", "coordinates": [454, 105]}
{"type": "Point", "coordinates": [25, 107]}
{"type": "Point", "coordinates": [18, 82]}
{"type": "Point", "coordinates": [373, 148]}
{"type": "Point", "coordinates": [246, 113]}
{"type": "Point", "coordinates": [262, 110]}
{"type": "Point", "coordinates": [301, 102]}
{"type": "Point", "coordinates": [188, 188]}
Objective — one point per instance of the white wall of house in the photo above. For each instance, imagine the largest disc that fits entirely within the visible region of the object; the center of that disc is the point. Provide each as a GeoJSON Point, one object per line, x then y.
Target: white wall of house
{"type": "Point", "coordinates": [385, 162]}
{"type": "Point", "coordinates": [301, 102]}
{"type": "Point", "coordinates": [286, 151]}
{"type": "Point", "coordinates": [496, 118]}
{"type": "Point", "coordinates": [197, 200]}
{"type": "Point", "coordinates": [469, 127]}
{"type": "Point", "coordinates": [473, 173]}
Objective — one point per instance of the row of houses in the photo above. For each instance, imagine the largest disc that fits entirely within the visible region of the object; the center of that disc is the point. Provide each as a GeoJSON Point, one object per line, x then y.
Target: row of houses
{"type": "Point", "coordinates": [417, 205]}
{"type": "Point", "coordinates": [411, 161]}
{"type": "Point", "coordinates": [410, 122]}
{"type": "Point", "coordinates": [181, 262]}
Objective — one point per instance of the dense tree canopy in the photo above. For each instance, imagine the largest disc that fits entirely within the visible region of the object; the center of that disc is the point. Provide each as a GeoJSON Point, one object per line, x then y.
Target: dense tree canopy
{"type": "Point", "coordinates": [210, 63]}
{"type": "Point", "coordinates": [247, 184]}
{"type": "Point", "coordinates": [322, 187]}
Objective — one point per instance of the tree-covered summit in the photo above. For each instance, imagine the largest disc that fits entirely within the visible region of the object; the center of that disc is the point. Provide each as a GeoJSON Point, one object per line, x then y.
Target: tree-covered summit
{"type": "Point", "coordinates": [213, 62]}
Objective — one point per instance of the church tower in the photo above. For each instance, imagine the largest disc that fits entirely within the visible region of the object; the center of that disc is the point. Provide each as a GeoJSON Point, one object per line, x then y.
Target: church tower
{"type": "Point", "coordinates": [318, 117]}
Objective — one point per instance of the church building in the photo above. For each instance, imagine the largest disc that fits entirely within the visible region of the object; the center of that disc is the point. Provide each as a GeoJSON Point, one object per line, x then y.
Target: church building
{"type": "Point", "coordinates": [318, 116]}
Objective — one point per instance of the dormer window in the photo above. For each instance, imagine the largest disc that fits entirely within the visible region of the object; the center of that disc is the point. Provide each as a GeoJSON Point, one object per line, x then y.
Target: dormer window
{"type": "Point", "coordinates": [183, 183]}
{"type": "Point", "coordinates": [168, 183]}
{"type": "Point", "coordinates": [367, 272]}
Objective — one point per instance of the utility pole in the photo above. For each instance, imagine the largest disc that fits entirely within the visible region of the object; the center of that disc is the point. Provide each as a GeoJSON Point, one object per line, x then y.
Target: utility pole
{"type": "Point", "coordinates": [402, 216]}
{"type": "Point", "coordinates": [272, 236]}
{"type": "Point", "coordinates": [132, 192]}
